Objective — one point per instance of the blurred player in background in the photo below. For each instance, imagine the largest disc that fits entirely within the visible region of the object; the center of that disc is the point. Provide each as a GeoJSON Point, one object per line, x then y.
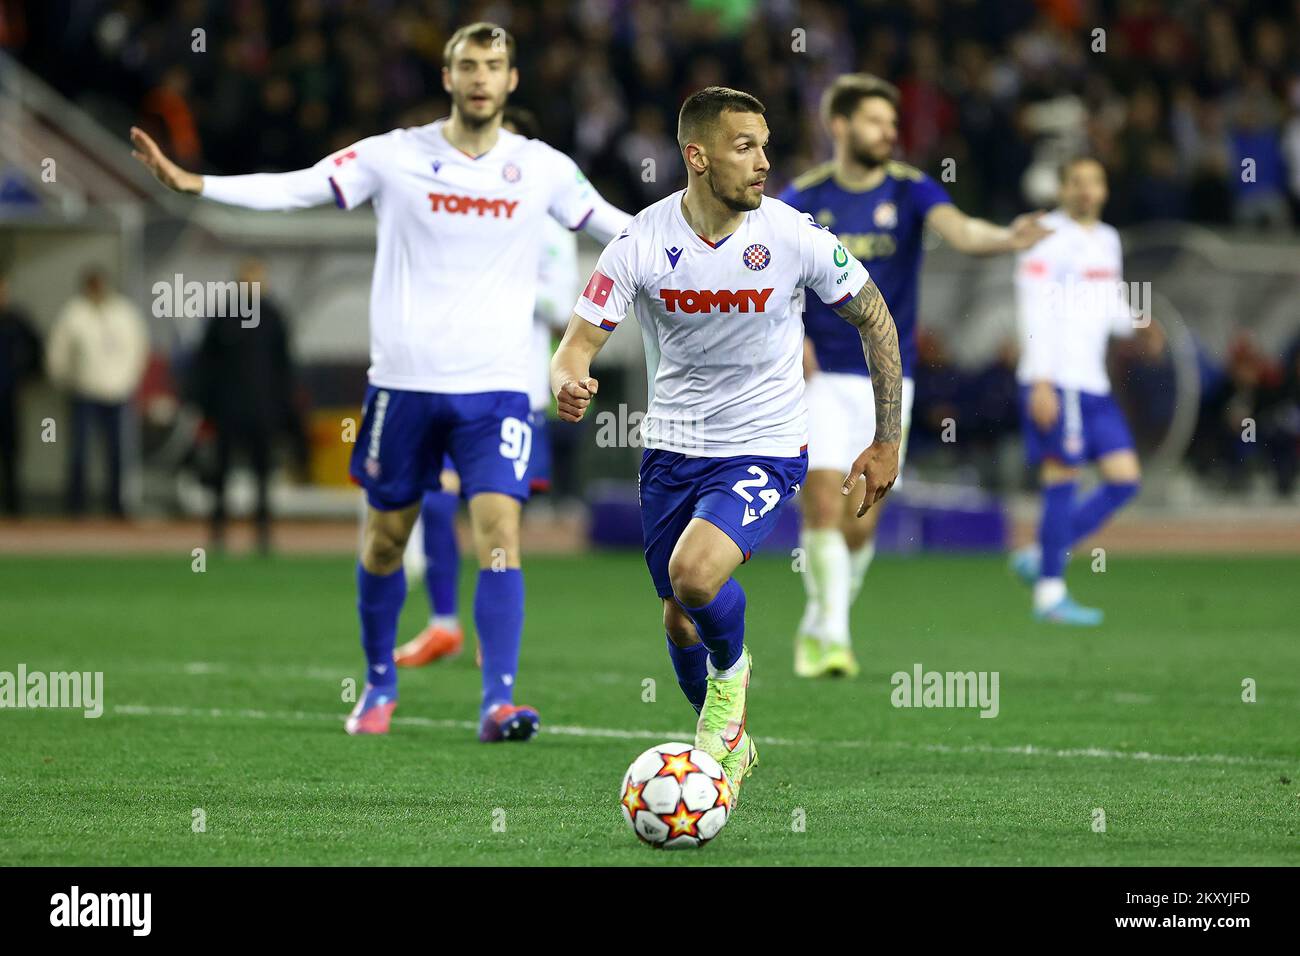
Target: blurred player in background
{"type": "Point", "coordinates": [713, 273]}
{"type": "Point", "coordinates": [1070, 300]}
{"type": "Point", "coordinates": [879, 208]}
{"type": "Point", "coordinates": [432, 551]}
{"type": "Point", "coordinates": [460, 205]}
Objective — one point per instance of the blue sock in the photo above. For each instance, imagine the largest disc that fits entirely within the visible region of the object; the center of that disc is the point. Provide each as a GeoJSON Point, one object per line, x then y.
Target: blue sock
{"type": "Point", "coordinates": [692, 674]}
{"type": "Point", "coordinates": [442, 556]}
{"type": "Point", "coordinates": [1054, 531]}
{"type": "Point", "coordinates": [499, 618]}
{"type": "Point", "coordinates": [1091, 513]}
{"type": "Point", "coordinates": [379, 602]}
{"type": "Point", "coordinates": [721, 624]}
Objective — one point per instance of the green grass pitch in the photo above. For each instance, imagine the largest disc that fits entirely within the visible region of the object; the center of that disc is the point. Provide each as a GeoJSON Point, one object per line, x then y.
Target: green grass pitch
{"type": "Point", "coordinates": [223, 694]}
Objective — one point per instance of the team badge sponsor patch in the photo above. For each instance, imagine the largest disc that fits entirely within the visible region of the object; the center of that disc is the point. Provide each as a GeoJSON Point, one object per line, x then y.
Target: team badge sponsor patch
{"type": "Point", "coordinates": [599, 288]}
{"type": "Point", "coordinates": [510, 173]}
{"type": "Point", "coordinates": [885, 216]}
{"type": "Point", "coordinates": [757, 257]}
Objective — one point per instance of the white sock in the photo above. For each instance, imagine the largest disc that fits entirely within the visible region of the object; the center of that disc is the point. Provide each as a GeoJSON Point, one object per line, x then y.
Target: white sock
{"type": "Point", "coordinates": [828, 562]}
{"type": "Point", "coordinates": [1048, 592]}
{"type": "Point", "coordinates": [811, 622]}
{"type": "Point", "coordinates": [859, 563]}
{"type": "Point", "coordinates": [445, 622]}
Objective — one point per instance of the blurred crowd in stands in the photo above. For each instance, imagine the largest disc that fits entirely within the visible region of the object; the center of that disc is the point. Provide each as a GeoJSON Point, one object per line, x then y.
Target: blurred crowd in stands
{"type": "Point", "coordinates": [1174, 96]}
{"type": "Point", "coordinates": [1193, 106]}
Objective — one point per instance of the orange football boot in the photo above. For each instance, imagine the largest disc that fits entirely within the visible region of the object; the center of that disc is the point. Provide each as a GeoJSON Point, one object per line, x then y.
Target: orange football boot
{"type": "Point", "coordinates": [429, 645]}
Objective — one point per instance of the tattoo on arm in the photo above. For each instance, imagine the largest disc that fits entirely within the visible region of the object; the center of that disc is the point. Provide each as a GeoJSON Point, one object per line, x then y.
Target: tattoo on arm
{"type": "Point", "coordinates": [867, 310]}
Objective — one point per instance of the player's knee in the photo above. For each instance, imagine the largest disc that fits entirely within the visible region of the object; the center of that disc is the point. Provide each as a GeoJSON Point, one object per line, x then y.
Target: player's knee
{"type": "Point", "coordinates": [497, 530]}
{"type": "Point", "coordinates": [694, 583]}
{"type": "Point", "coordinates": [822, 506]}
{"type": "Point", "coordinates": [382, 553]}
{"type": "Point", "coordinates": [1057, 473]}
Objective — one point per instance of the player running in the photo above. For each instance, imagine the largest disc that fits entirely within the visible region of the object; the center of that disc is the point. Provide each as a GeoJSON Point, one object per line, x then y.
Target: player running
{"type": "Point", "coordinates": [713, 273]}
{"type": "Point", "coordinates": [878, 208]}
{"type": "Point", "coordinates": [1071, 300]}
{"type": "Point", "coordinates": [432, 552]}
{"type": "Point", "coordinates": [460, 205]}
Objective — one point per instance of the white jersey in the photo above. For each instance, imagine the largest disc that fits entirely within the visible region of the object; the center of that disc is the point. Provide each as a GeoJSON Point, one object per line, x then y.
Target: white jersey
{"type": "Point", "coordinates": [1071, 298]}
{"type": "Point", "coordinates": [722, 323]}
{"type": "Point", "coordinates": [557, 284]}
{"type": "Point", "coordinates": [451, 304]}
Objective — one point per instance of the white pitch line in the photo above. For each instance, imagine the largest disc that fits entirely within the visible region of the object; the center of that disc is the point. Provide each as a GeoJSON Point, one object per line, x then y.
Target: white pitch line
{"type": "Point", "coordinates": [1025, 750]}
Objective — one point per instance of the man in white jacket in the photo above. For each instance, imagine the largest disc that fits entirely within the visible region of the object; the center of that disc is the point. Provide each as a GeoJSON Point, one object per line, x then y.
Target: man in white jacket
{"type": "Point", "coordinates": [97, 352]}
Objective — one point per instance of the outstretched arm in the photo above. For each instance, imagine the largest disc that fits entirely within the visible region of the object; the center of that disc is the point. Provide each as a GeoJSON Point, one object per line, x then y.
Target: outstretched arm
{"type": "Point", "coordinates": [571, 380]}
{"type": "Point", "coordinates": [979, 237]}
{"type": "Point", "coordinates": [878, 464]}
{"type": "Point", "coordinates": [266, 191]}
{"type": "Point", "coordinates": [605, 221]}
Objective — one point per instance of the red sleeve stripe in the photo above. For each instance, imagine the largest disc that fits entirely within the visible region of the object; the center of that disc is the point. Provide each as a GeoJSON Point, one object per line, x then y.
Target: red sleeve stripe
{"type": "Point", "coordinates": [847, 297]}
{"type": "Point", "coordinates": [607, 325]}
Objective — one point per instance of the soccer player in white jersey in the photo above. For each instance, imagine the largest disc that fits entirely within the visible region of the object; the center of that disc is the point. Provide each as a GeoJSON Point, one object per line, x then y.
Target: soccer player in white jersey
{"type": "Point", "coordinates": [460, 204]}
{"type": "Point", "coordinates": [432, 552]}
{"type": "Point", "coordinates": [1070, 300]}
{"type": "Point", "coordinates": [714, 273]}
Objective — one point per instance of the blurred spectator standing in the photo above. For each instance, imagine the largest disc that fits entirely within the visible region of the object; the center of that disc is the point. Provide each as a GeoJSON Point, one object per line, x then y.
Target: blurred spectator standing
{"type": "Point", "coordinates": [97, 352]}
{"type": "Point", "coordinates": [20, 359]}
{"type": "Point", "coordinates": [1259, 169]}
{"type": "Point", "coordinates": [243, 383]}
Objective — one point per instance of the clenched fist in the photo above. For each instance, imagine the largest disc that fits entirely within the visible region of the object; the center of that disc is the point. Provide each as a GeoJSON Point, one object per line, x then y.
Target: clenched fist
{"type": "Point", "coordinates": [574, 397]}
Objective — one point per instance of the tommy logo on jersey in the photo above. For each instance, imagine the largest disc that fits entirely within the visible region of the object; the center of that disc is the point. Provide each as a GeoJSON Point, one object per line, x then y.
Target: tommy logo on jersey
{"type": "Point", "coordinates": [756, 256]}
{"type": "Point", "coordinates": [707, 300]}
{"type": "Point", "coordinates": [464, 205]}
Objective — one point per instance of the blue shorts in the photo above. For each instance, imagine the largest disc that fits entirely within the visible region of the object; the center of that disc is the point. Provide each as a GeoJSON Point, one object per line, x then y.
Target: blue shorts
{"type": "Point", "coordinates": [539, 460]}
{"type": "Point", "coordinates": [405, 436]}
{"type": "Point", "coordinates": [1088, 427]}
{"type": "Point", "coordinates": [738, 495]}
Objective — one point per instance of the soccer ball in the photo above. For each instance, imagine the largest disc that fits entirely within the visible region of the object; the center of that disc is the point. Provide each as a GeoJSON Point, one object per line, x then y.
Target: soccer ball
{"type": "Point", "coordinates": [676, 797]}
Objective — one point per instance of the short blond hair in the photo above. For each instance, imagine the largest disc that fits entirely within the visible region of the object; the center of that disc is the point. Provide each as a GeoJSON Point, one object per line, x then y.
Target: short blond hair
{"type": "Point", "coordinates": [484, 33]}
